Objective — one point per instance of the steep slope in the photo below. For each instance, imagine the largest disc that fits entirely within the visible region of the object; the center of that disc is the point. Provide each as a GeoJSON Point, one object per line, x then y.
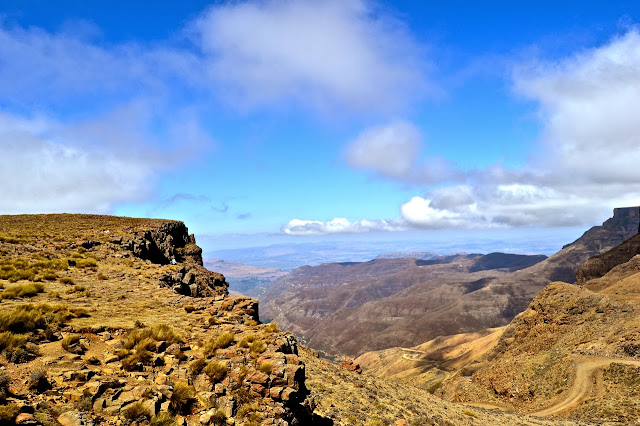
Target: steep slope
{"type": "Point", "coordinates": [353, 308]}
{"type": "Point", "coordinates": [349, 398]}
{"type": "Point", "coordinates": [115, 332]}
{"type": "Point", "coordinates": [575, 352]}
{"type": "Point", "coordinates": [430, 365]}
{"type": "Point", "coordinates": [115, 321]}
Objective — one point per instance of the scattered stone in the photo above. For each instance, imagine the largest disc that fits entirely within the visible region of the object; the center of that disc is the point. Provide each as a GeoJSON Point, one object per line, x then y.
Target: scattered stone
{"type": "Point", "coordinates": [110, 358]}
{"type": "Point", "coordinates": [74, 418]}
{"type": "Point", "coordinates": [26, 419]}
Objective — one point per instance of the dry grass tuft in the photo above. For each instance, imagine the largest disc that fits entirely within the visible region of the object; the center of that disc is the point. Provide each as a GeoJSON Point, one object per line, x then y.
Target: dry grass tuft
{"type": "Point", "coordinates": [21, 290]}
{"type": "Point", "coordinates": [216, 371]}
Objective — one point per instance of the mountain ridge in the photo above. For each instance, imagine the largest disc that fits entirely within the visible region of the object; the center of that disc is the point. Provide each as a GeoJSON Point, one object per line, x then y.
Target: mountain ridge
{"type": "Point", "coordinates": [411, 304]}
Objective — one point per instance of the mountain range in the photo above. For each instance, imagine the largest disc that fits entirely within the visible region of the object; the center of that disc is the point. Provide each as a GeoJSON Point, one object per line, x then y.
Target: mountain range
{"type": "Point", "coordinates": [351, 308]}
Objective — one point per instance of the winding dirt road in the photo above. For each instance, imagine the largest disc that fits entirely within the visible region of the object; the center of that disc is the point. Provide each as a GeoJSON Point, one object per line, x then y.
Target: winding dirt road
{"type": "Point", "coordinates": [582, 384]}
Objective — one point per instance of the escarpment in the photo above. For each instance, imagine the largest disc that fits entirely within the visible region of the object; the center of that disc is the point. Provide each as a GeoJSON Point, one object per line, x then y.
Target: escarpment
{"type": "Point", "coordinates": [112, 320]}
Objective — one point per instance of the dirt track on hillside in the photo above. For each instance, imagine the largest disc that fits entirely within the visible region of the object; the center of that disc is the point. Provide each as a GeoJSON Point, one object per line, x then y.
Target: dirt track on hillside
{"type": "Point", "coordinates": [583, 384]}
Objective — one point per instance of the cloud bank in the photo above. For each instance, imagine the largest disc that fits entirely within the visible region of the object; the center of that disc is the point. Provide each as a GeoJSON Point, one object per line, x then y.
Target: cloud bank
{"type": "Point", "coordinates": [44, 170]}
{"type": "Point", "coordinates": [585, 163]}
{"type": "Point", "coordinates": [340, 226]}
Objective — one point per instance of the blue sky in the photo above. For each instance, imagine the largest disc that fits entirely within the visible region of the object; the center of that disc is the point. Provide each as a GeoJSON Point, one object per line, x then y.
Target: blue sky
{"type": "Point", "coordinates": [282, 121]}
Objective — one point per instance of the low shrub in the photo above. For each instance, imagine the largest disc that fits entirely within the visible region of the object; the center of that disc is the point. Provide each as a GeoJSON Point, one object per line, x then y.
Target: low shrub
{"type": "Point", "coordinates": [5, 381]}
{"type": "Point", "coordinates": [86, 263]}
{"type": "Point", "coordinates": [66, 280]}
{"type": "Point", "coordinates": [29, 318]}
{"type": "Point", "coordinates": [196, 366]}
{"type": "Point", "coordinates": [224, 340]}
{"type": "Point", "coordinates": [244, 343]}
{"type": "Point", "coordinates": [8, 413]}
{"type": "Point", "coordinates": [76, 289]}
{"type": "Point", "coordinates": [163, 419]}
{"type": "Point", "coordinates": [218, 418]}
{"type": "Point", "coordinates": [38, 381]}
{"type": "Point", "coordinates": [266, 367]}
{"type": "Point", "coordinates": [249, 412]}
{"type": "Point", "coordinates": [271, 328]}
{"type": "Point", "coordinates": [159, 332]}
{"type": "Point", "coordinates": [50, 276]}
{"type": "Point", "coordinates": [69, 341]}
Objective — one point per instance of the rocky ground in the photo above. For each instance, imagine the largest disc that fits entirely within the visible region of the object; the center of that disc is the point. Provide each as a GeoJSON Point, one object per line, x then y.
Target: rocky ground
{"type": "Point", "coordinates": [115, 321]}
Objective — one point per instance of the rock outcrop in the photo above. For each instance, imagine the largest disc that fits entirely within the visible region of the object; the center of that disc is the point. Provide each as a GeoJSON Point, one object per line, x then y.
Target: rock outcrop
{"type": "Point", "coordinates": [171, 243]}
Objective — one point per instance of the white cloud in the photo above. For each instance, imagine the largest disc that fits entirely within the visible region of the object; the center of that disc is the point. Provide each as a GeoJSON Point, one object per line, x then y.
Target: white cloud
{"type": "Point", "coordinates": [340, 226]}
{"type": "Point", "coordinates": [52, 166]}
{"type": "Point", "coordinates": [393, 150]}
{"type": "Point", "coordinates": [328, 53]}
{"type": "Point", "coordinates": [419, 213]}
{"type": "Point", "coordinates": [589, 107]}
